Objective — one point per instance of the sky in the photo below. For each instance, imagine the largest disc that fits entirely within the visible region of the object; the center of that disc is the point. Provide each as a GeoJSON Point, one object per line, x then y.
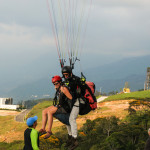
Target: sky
{"type": "Point", "coordinates": [116, 29]}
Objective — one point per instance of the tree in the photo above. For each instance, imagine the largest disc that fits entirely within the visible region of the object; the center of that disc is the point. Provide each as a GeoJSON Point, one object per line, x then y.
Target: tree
{"type": "Point", "coordinates": [109, 124]}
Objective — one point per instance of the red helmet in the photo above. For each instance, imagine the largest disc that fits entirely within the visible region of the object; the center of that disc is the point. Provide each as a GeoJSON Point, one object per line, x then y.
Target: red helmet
{"type": "Point", "coordinates": [56, 79]}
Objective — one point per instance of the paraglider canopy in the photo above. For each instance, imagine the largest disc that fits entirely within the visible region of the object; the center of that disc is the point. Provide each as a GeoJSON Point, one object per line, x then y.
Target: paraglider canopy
{"type": "Point", "coordinates": [69, 19]}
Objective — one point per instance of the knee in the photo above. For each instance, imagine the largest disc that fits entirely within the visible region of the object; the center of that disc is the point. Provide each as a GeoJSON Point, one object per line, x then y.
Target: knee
{"type": "Point", "coordinates": [72, 119]}
{"type": "Point", "coordinates": [44, 112]}
{"type": "Point", "coordinates": [50, 112]}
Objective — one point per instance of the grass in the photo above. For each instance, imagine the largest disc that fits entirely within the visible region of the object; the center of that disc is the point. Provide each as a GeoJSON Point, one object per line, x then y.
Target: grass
{"type": "Point", "coordinates": [98, 96]}
{"type": "Point", "coordinates": [139, 95]}
{"type": "Point", "coordinates": [8, 124]}
{"type": "Point", "coordinates": [37, 109]}
{"type": "Point", "coordinates": [9, 127]}
{"type": "Point", "coordinates": [12, 132]}
{"type": "Point", "coordinates": [18, 145]}
{"type": "Point", "coordinates": [15, 130]}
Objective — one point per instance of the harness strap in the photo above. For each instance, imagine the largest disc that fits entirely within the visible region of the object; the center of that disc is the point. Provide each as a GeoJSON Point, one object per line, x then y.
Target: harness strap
{"type": "Point", "coordinates": [55, 98]}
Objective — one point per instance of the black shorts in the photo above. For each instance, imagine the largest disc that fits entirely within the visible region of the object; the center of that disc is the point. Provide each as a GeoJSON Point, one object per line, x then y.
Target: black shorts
{"type": "Point", "coordinates": [61, 110]}
{"type": "Point", "coordinates": [62, 116]}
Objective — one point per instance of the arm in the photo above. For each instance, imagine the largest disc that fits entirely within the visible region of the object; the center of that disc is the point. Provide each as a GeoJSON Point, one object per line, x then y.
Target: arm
{"type": "Point", "coordinates": [66, 92]}
{"type": "Point", "coordinates": [34, 139]}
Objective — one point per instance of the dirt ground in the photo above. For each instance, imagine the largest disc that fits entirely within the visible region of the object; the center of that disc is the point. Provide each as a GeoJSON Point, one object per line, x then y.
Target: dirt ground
{"type": "Point", "coordinates": [106, 109]}
{"type": "Point", "coordinates": [8, 112]}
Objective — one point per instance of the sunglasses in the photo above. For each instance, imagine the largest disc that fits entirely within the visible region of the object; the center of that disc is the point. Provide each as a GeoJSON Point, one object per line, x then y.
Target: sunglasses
{"type": "Point", "coordinates": [56, 83]}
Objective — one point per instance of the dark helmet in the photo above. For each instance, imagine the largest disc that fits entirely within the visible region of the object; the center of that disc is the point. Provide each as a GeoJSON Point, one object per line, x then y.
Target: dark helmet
{"type": "Point", "coordinates": [66, 69]}
{"type": "Point", "coordinates": [56, 79]}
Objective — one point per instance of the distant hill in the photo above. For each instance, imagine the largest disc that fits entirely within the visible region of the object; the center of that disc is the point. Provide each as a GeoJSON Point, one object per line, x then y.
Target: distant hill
{"type": "Point", "coordinates": [113, 76]}
{"type": "Point", "coordinates": [136, 82]}
{"type": "Point", "coordinates": [42, 88]}
{"type": "Point", "coordinates": [110, 77]}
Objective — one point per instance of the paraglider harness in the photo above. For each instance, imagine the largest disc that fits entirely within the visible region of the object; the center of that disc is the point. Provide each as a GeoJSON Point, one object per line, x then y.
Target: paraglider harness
{"type": "Point", "coordinates": [88, 97]}
{"type": "Point", "coordinates": [85, 91]}
{"type": "Point", "coordinates": [60, 100]}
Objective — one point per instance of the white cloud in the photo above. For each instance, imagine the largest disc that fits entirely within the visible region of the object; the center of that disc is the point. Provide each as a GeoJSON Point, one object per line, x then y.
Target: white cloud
{"type": "Point", "coordinates": [21, 44]}
{"type": "Point", "coordinates": [21, 37]}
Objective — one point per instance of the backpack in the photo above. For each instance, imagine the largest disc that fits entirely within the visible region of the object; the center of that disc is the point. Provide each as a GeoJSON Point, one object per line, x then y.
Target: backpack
{"type": "Point", "coordinates": [89, 99]}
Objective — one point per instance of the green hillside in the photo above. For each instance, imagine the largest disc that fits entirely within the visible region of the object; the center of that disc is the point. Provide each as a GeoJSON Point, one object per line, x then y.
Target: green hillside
{"type": "Point", "coordinates": [102, 133]}
{"type": "Point", "coordinates": [37, 109]}
{"type": "Point", "coordinates": [138, 95]}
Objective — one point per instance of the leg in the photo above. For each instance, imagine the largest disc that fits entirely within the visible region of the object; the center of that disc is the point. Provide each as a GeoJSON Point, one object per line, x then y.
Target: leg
{"type": "Point", "coordinates": [69, 141]}
{"type": "Point", "coordinates": [50, 117]}
{"type": "Point", "coordinates": [50, 120]}
{"type": "Point", "coordinates": [69, 130]}
{"type": "Point", "coordinates": [45, 118]}
{"type": "Point", "coordinates": [72, 119]}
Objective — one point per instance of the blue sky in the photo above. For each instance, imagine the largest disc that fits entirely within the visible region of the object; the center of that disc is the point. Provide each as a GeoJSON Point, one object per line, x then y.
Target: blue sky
{"type": "Point", "coordinates": [116, 29]}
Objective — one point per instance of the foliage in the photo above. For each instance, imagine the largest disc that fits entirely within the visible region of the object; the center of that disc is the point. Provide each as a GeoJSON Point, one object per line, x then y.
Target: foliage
{"type": "Point", "coordinates": [111, 134]}
{"type": "Point", "coordinates": [49, 143]}
{"type": "Point", "coordinates": [139, 112]}
{"type": "Point", "coordinates": [113, 93]}
{"type": "Point", "coordinates": [16, 145]}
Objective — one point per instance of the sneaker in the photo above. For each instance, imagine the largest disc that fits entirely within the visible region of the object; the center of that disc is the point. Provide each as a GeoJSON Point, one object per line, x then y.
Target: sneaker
{"type": "Point", "coordinates": [69, 141]}
{"type": "Point", "coordinates": [74, 144]}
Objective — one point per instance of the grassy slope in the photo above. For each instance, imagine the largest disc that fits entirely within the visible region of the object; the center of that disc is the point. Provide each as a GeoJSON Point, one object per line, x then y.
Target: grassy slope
{"type": "Point", "coordinates": [139, 95]}
{"type": "Point", "coordinates": [10, 128]}
{"type": "Point", "coordinates": [12, 132]}
{"type": "Point", "coordinates": [37, 109]}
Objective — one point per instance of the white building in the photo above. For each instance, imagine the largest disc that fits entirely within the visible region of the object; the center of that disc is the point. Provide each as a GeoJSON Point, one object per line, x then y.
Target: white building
{"type": "Point", "coordinates": [6, 103]}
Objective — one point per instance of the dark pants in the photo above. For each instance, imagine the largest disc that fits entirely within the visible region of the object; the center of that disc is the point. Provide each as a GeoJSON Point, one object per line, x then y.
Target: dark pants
{"type": "Point", "coordinates": [62, 116]}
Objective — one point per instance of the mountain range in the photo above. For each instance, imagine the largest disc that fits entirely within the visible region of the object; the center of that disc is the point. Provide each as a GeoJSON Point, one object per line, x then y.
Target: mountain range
{"type": "Point", "coordinates": [108, 77]}
{"type": "Point", "coordinates": [113, 76]}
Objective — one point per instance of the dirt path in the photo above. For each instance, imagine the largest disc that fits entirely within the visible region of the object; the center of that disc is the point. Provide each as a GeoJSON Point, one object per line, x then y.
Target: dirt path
{"type": "Point", "coordinates": [101, 98]}
{"type": "Point", "coordinates": [20, 117]}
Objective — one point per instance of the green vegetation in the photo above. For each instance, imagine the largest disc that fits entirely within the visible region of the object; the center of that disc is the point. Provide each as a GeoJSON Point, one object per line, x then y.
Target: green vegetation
{"type": "Point", "coordinates": [139, 95]}
{"type": "Point", "coordinates": [98, 96]}
{"type": "Point", "coordinates": [113, 134]}
{"type": "Point", "coordinates": [16, 145]}
{"type": "Point", "coordinates": [37, 109]}
{"type": "Point", "coordinates": [103, 134]}
{"type": "Point", "coordinates": [7, 124]}
{"type": "Point", "coordinates": [30, 103]}
{"type": "Point", "coordinates": [108, 133]}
